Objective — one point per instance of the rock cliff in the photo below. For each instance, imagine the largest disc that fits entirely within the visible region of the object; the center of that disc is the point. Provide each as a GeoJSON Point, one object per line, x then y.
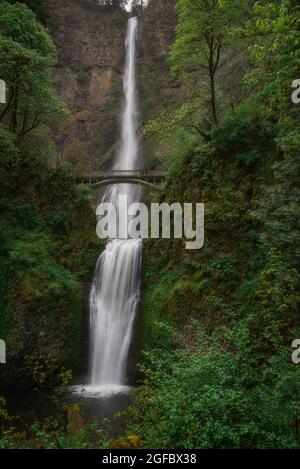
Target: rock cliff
{"type": "Point", "coordinates": [90, 46]}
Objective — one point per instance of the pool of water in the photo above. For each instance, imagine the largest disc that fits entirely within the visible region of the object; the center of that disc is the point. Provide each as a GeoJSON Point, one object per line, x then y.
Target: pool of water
{"type": "Point", "coordinates": [106, 407]}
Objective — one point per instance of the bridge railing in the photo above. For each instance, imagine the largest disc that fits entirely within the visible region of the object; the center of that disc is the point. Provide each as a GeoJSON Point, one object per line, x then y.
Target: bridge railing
{"type": "Point", "coordinates": [141, 173]}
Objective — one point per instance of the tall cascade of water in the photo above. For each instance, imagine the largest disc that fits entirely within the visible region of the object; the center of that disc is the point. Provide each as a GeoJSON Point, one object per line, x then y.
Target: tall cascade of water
{"type": "Point", "coordinates": [115, 291]}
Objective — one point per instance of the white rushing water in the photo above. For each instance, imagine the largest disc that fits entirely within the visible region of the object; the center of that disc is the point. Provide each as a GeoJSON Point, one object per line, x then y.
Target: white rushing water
{"type": "Point", "coordinates": [115, 291]}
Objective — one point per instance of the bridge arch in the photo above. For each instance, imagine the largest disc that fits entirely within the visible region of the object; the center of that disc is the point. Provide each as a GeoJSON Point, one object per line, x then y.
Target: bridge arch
{"type": "Point", "coordinates": [107, 182]}
{"type": "Point", "coordinates": [98, 179]}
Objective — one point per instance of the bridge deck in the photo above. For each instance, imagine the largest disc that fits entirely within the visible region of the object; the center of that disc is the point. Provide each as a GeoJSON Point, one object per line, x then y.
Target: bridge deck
{"type": "Point", "coordinates": [120, 175]}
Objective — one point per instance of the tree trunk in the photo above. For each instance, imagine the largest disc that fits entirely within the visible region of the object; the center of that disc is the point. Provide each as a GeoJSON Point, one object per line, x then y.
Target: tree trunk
{"type": "Point", "coordinates": [214, 57]}
{"type": "Point", "coordinates": [213, 99]}
{"type": "Point", "coordinates": [14, 122]}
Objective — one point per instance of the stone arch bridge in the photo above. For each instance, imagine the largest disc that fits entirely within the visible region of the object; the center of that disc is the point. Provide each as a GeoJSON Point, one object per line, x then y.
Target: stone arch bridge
{"type": "Point", "coordinates": [97, 179]}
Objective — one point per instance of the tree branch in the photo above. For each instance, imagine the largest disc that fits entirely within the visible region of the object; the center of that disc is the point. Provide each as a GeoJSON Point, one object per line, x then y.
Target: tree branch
{"type": "Point", "coordinates": [203, 134]}
{"type": "Point", "coordinates": [34, 125]}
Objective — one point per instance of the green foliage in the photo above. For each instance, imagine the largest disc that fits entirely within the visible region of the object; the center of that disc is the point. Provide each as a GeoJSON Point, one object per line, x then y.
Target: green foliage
{"type": "Point", "coordinates": [48, 249]}
{"type": "Point", "coordinates": [204, 29]}
{"type": "Point", "coordinates": [47, 255]}
{"type": "Point", "coordinates": [275, 52]}
{"type": "Point", "coordinates": [55, 434]}
{"type": "Point", "coordinates": [220, 375]}
{"type": "Point", "coordinates": [210, 397]}
{"type": "Point", "coordinates": [199, 23]}
{"type": "Point", "coordinates": [4, 414]}
{"type": "Point", "coordinates": [39, 7]}
{"type": "Point", "coordinates": [248, 134]}
{"type": "Point", "coordinates": [27, 56]}
{"type": "Point", "coordinates": [45, 370]}
{"type": "Point", "coordinates": [8, 151]}
{"type": "Point", "coordinates": [165, 124]}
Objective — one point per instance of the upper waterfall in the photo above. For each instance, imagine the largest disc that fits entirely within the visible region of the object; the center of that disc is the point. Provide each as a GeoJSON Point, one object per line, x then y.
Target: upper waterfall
{"type": "Point", "coordinates": [128, 154]}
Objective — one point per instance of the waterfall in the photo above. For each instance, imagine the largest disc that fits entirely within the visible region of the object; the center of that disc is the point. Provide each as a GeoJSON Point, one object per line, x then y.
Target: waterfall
{"type": "Point", "coordinates": [115, 291]}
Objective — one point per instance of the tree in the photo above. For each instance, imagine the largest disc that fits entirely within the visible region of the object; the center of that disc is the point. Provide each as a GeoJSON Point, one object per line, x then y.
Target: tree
{"type": "Point", "coordinates": [39, 7]}
{"type": "Point", "coordinates": [137, 6]}
{"type": "Point", "coordinates": [203, 31]}
{"type": "Point", "coordinates": [27, 57]}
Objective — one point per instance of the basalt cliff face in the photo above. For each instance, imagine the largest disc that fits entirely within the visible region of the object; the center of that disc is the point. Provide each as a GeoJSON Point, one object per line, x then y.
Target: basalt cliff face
{"type": "Point", "coordinates": [90, 47]}
{"type": "Point", "coordinates": [89, 43]}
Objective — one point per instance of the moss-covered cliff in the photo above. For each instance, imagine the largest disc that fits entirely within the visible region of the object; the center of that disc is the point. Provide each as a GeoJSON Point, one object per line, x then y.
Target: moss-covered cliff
{"type": "Point", "coordinates": [48, 252]}
{"type": "Point", "coordinates": [47, 227]}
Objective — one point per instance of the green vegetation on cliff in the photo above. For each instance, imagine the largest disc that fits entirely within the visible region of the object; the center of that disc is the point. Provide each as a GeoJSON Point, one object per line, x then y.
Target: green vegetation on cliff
{"type": "Point", "coordinates": [48, 246]}
{"type": "Point", "coordinates": [219, 323]}
{"type": "Point", "coordinates": [39, 7]}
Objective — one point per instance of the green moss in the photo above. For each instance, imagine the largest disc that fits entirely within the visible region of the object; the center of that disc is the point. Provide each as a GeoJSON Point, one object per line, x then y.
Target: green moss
{"type": "Point", "coordinates": [49, 251]}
